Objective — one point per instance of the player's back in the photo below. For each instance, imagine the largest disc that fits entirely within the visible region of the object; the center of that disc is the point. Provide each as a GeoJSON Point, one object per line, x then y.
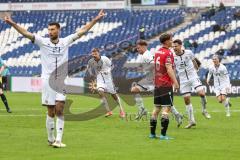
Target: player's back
{"type": "Point", "coordinates": [163, 57]}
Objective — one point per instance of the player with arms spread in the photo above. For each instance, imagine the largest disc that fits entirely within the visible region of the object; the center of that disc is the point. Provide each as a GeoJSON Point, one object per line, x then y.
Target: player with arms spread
{"type": "Point", "coordinates": [54, 53]}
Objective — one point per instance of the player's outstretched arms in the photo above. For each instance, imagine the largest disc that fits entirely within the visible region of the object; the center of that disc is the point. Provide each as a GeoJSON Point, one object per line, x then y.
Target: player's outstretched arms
{"type": "Point", "coordinates": [88, 26]}
{"type": "Point", "coordinates": [20, 29]}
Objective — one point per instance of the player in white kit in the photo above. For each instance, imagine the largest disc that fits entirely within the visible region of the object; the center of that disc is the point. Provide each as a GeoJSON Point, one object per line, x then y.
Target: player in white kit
{"type": "Point", "coordinates": [102, 66]}
{"type": "Point", "coordinates": [186, 69]}
{"type": "Point", "coordinates": [54, 52]}
{"type": "Point", "coordinates": [146, 61]}
{"type": "Point", "coordinates": [222, 84]}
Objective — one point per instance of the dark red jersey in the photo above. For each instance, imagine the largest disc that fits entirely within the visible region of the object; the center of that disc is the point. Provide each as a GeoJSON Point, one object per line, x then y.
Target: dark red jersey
{"type": "Point", "coordinates": [162, 57]}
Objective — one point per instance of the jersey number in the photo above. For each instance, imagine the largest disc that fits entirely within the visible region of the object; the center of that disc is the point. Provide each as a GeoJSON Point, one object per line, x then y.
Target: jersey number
{"type": "Point", "coordinates": [158, 63]}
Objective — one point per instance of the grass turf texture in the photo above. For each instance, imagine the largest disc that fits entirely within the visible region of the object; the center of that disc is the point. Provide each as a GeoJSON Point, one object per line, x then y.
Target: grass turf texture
{"type": "Point", "coordinates": [23, 133]}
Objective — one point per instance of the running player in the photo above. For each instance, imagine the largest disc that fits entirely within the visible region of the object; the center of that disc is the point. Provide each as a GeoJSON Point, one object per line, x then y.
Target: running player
{"type": "Point", "coordinates": [185, 66]}
{"type": "Point", "coordinates": [146, 59]}
{"type": "Point", "coordinates": [102, 67]}
{"type": "Point", "coordinates": [221, 82]}
{"type": "Point", "coordinates": [165, 80]}
{"type": "Point", "coordinates": [3, 97]}
{"type": "Point", "coordinates": [54, 52]}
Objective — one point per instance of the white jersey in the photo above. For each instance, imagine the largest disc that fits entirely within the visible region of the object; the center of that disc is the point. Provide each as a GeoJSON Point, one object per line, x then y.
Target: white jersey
{"type": "Point", "coordinates": [146, 58]}
{"type": "Point", "coordinates": [102, 69]}
{"type": "Point", "coordinates": [185, 67]}
{"type": "Point", "coordinates": [53, 55]}
{"type": "Point", "coordinates": [220, 76]}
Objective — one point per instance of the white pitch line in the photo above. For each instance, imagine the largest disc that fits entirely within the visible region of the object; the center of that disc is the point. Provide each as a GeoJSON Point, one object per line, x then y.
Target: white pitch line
{"type": "Point", "coordinates": [43, 115]}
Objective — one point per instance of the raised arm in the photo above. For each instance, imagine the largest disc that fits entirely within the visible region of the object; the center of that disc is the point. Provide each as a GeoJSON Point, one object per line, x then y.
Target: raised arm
{"type": "Point", "coordinates": [20, 29]}
{"type": "Point", "coordinates": [88, 26]}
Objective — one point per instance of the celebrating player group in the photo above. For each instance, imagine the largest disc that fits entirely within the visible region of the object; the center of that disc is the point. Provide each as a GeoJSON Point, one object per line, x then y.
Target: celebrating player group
{"type": "Point", "coordinates": [170, 59]}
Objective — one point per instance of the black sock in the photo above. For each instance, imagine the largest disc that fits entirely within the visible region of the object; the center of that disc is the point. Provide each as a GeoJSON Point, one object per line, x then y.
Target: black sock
{"type": "Point", "coordinates": [153, 124]}
{"type": "Point", "coordinates": [4, 99]}
{"type": "Point", "coordinates": [164, 123]}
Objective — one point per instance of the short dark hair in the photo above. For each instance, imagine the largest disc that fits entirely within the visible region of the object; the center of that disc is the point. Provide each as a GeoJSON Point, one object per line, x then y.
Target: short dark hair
{"type": "Point", "coordinates": [142, 42]}
{"type": "Point", "coordinates": [164, 37]}
{"type": "Point", "coordinates": [95, 50]}
{"type": "Point", "coordinates": [178, 41]}
{"type": "Point", "coordinates": [54, 24]}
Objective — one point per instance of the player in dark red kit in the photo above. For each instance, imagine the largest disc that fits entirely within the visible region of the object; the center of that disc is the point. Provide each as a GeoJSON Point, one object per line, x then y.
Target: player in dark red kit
{"type": "Point", "coordinates": [165, 81]}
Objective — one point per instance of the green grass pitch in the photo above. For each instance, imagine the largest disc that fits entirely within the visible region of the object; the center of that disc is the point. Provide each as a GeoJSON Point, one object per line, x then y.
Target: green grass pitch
{"type": "Point", "coordinates": [23, 133]}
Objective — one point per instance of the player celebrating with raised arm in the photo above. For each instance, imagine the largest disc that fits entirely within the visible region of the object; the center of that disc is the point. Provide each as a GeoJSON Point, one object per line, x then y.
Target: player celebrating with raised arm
{"type": "Point", "coordinates": [221, 82]}
{"type": "Point", "coordinates": [165, 81]}
{"type": "Point", "coordinates": [185, 66]}
{"type": "Point", "coordinates": [102, 67]}
{"type": "Point", "coordinates": [146, 59]}
{"type": "Point", "coordinates": [54, 52]}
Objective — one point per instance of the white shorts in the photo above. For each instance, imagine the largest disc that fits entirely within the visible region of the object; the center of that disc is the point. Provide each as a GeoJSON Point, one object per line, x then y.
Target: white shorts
{"type": "Point", "coordinates": [49, 96]}
{"type": "Point", "coordinates": [221, 90]}
{"type": "Point", "coordinates": [186, 87]}
{"type": "Point", "coordinates": [105, 83]}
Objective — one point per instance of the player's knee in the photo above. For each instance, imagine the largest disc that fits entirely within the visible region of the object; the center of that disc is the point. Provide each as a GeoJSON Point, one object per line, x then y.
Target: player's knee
{"type": "Point", "coordinates": [187, 100]}
{"type": "Point", "coordinates": [223, 97]}
{"type": "Point", "coordinates": [100, 91]}
{"type": "Point", "coordinates": [155, 114]}
{"type": "Point", "coordinates": [59, 108]}
{"type": "Point", "coordinates": [201, 93]}
{"type": "Point", "coordinates": [165, 115]}
{"type": "Point", "coordinates": [51, 112]}
{"type": "Point", "coordinates": [59, 112]}
{"type": "Point", "coordinates": [134, 90]}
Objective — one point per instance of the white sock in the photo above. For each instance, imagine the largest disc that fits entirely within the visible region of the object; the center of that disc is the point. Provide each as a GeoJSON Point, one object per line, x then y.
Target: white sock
{"type": "Point", "coordinates": [174, 111]}
{"type": "Point", "coordinates": [105, 103]}
{"type": "Point", "coordinates": [59, 127]}
{"type": "Point", "coordinates": [226, 104]}
{"type": "Point", "coordinates": [119, 104]}
{"type": "Point", "coordinates": [50, 128]}
{"type": "Point", "coordinates": [204, 103]}
{"type": "Point", "coordinates": [139, 102]}
{"type": "Point", "coordinates": [189, 109]}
